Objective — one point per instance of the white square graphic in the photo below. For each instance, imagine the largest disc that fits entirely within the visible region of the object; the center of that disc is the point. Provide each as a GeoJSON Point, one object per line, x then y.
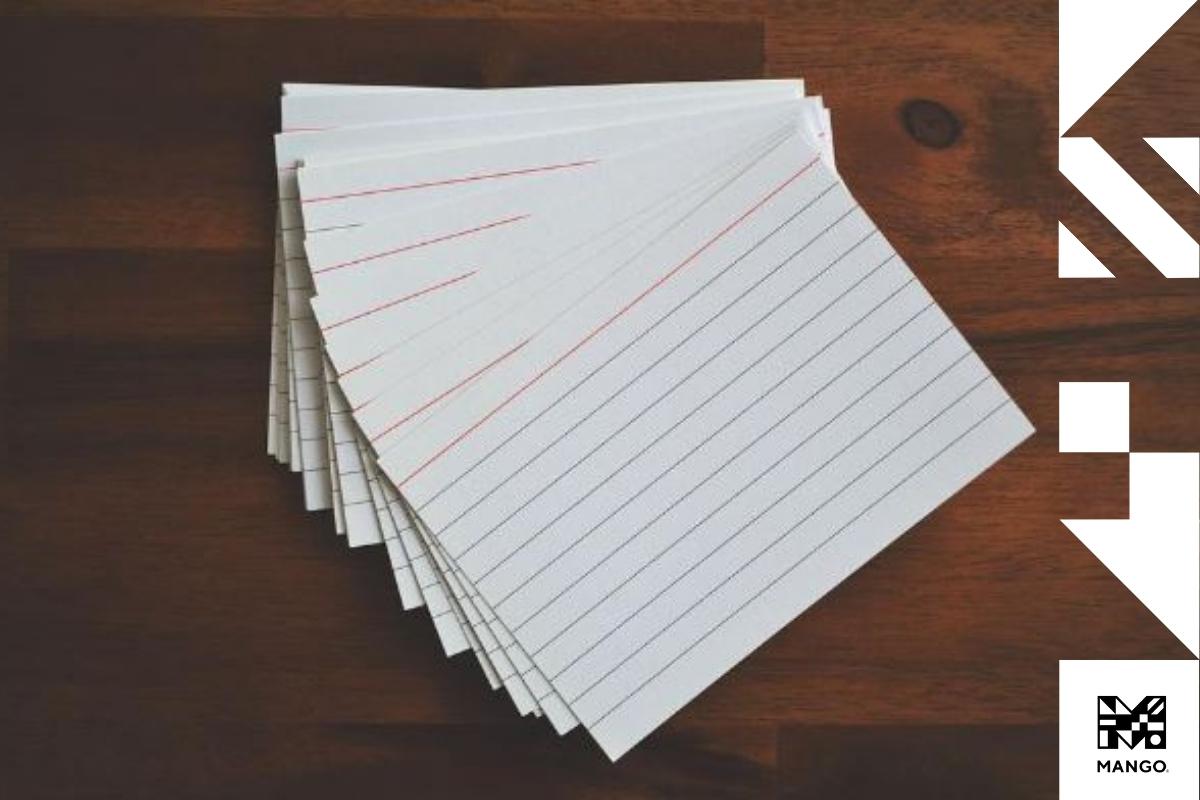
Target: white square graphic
{"type": "Point", "coordinates": [1093, 417]}
{"type": "Point", "coordinates": [1087, 769]}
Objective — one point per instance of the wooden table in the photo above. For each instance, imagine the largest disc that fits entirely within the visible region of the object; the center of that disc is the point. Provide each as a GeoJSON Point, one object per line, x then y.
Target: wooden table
{"type": "Point", "coordinates": [173, 624]}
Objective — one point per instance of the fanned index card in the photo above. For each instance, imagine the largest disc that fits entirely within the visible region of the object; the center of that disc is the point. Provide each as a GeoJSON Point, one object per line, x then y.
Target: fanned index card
{"type": "Point", "coordinates": [623, 377]}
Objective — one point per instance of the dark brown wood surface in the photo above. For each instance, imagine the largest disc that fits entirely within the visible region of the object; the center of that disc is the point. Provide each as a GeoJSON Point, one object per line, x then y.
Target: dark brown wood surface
{"type": "Point", "coordinates": [173, 624]}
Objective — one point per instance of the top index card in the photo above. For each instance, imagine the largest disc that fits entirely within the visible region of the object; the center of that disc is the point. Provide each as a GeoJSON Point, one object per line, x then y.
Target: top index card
{"type": "Point", "coordinates": [658, 482]}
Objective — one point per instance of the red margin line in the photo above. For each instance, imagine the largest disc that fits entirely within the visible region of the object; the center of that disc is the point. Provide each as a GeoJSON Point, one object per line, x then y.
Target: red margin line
{"type": "Point", "coordinates": [400, 300]}
{"type": "Point", "coordinates": [449, 181]}
{"type": "Point", "coordinates": [422, 243]}
{"type": "Point", "coordinates": [446, 393]}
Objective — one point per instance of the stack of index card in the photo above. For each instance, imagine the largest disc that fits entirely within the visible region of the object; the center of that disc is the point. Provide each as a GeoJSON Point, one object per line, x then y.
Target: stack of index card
{"type": "Point", "coordinates": [621, 377]}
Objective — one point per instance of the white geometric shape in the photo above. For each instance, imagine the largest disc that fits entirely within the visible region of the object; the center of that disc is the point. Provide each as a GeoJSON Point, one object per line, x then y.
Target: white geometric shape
{"type": "Point", "coordinates": [1182, 153]}
{"type": "Point", "coordinates": [1098, 41]}
{"type": "Point", "coordinates": [1164, 488]}
{"type": "Point", "coordinates": [1093, 417]}
{"type": "Point", "coordinates": [1128, 207]}
{"type": "Point", "coordinates": [1075, 260]}
{"type": "Point", "coordinates": [1156, 552]}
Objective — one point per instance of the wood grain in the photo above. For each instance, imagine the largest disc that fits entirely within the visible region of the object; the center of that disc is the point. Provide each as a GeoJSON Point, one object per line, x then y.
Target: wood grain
{"type": "Point", "coordinates": [173, 624]}
{"type": "Point", "coordinates": [982, 762]}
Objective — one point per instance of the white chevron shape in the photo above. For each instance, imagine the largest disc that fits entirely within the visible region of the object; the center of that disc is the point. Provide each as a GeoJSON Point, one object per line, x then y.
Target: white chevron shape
{"type": "Point", "coordinates": [1156, 552]}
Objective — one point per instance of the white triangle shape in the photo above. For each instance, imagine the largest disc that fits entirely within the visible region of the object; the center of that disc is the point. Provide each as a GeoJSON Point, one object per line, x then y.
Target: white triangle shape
{"type": "Point", "coordinates": [1182, 153]}
{"type": "Point", "coordinates": [1099, 41]}
{"type": "Point", "coordinates": [1075, 260]}
{"type": "Point", "coordinates": [1121, 545]}
{"type": "Point", "coordinates": [1156, 552]}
